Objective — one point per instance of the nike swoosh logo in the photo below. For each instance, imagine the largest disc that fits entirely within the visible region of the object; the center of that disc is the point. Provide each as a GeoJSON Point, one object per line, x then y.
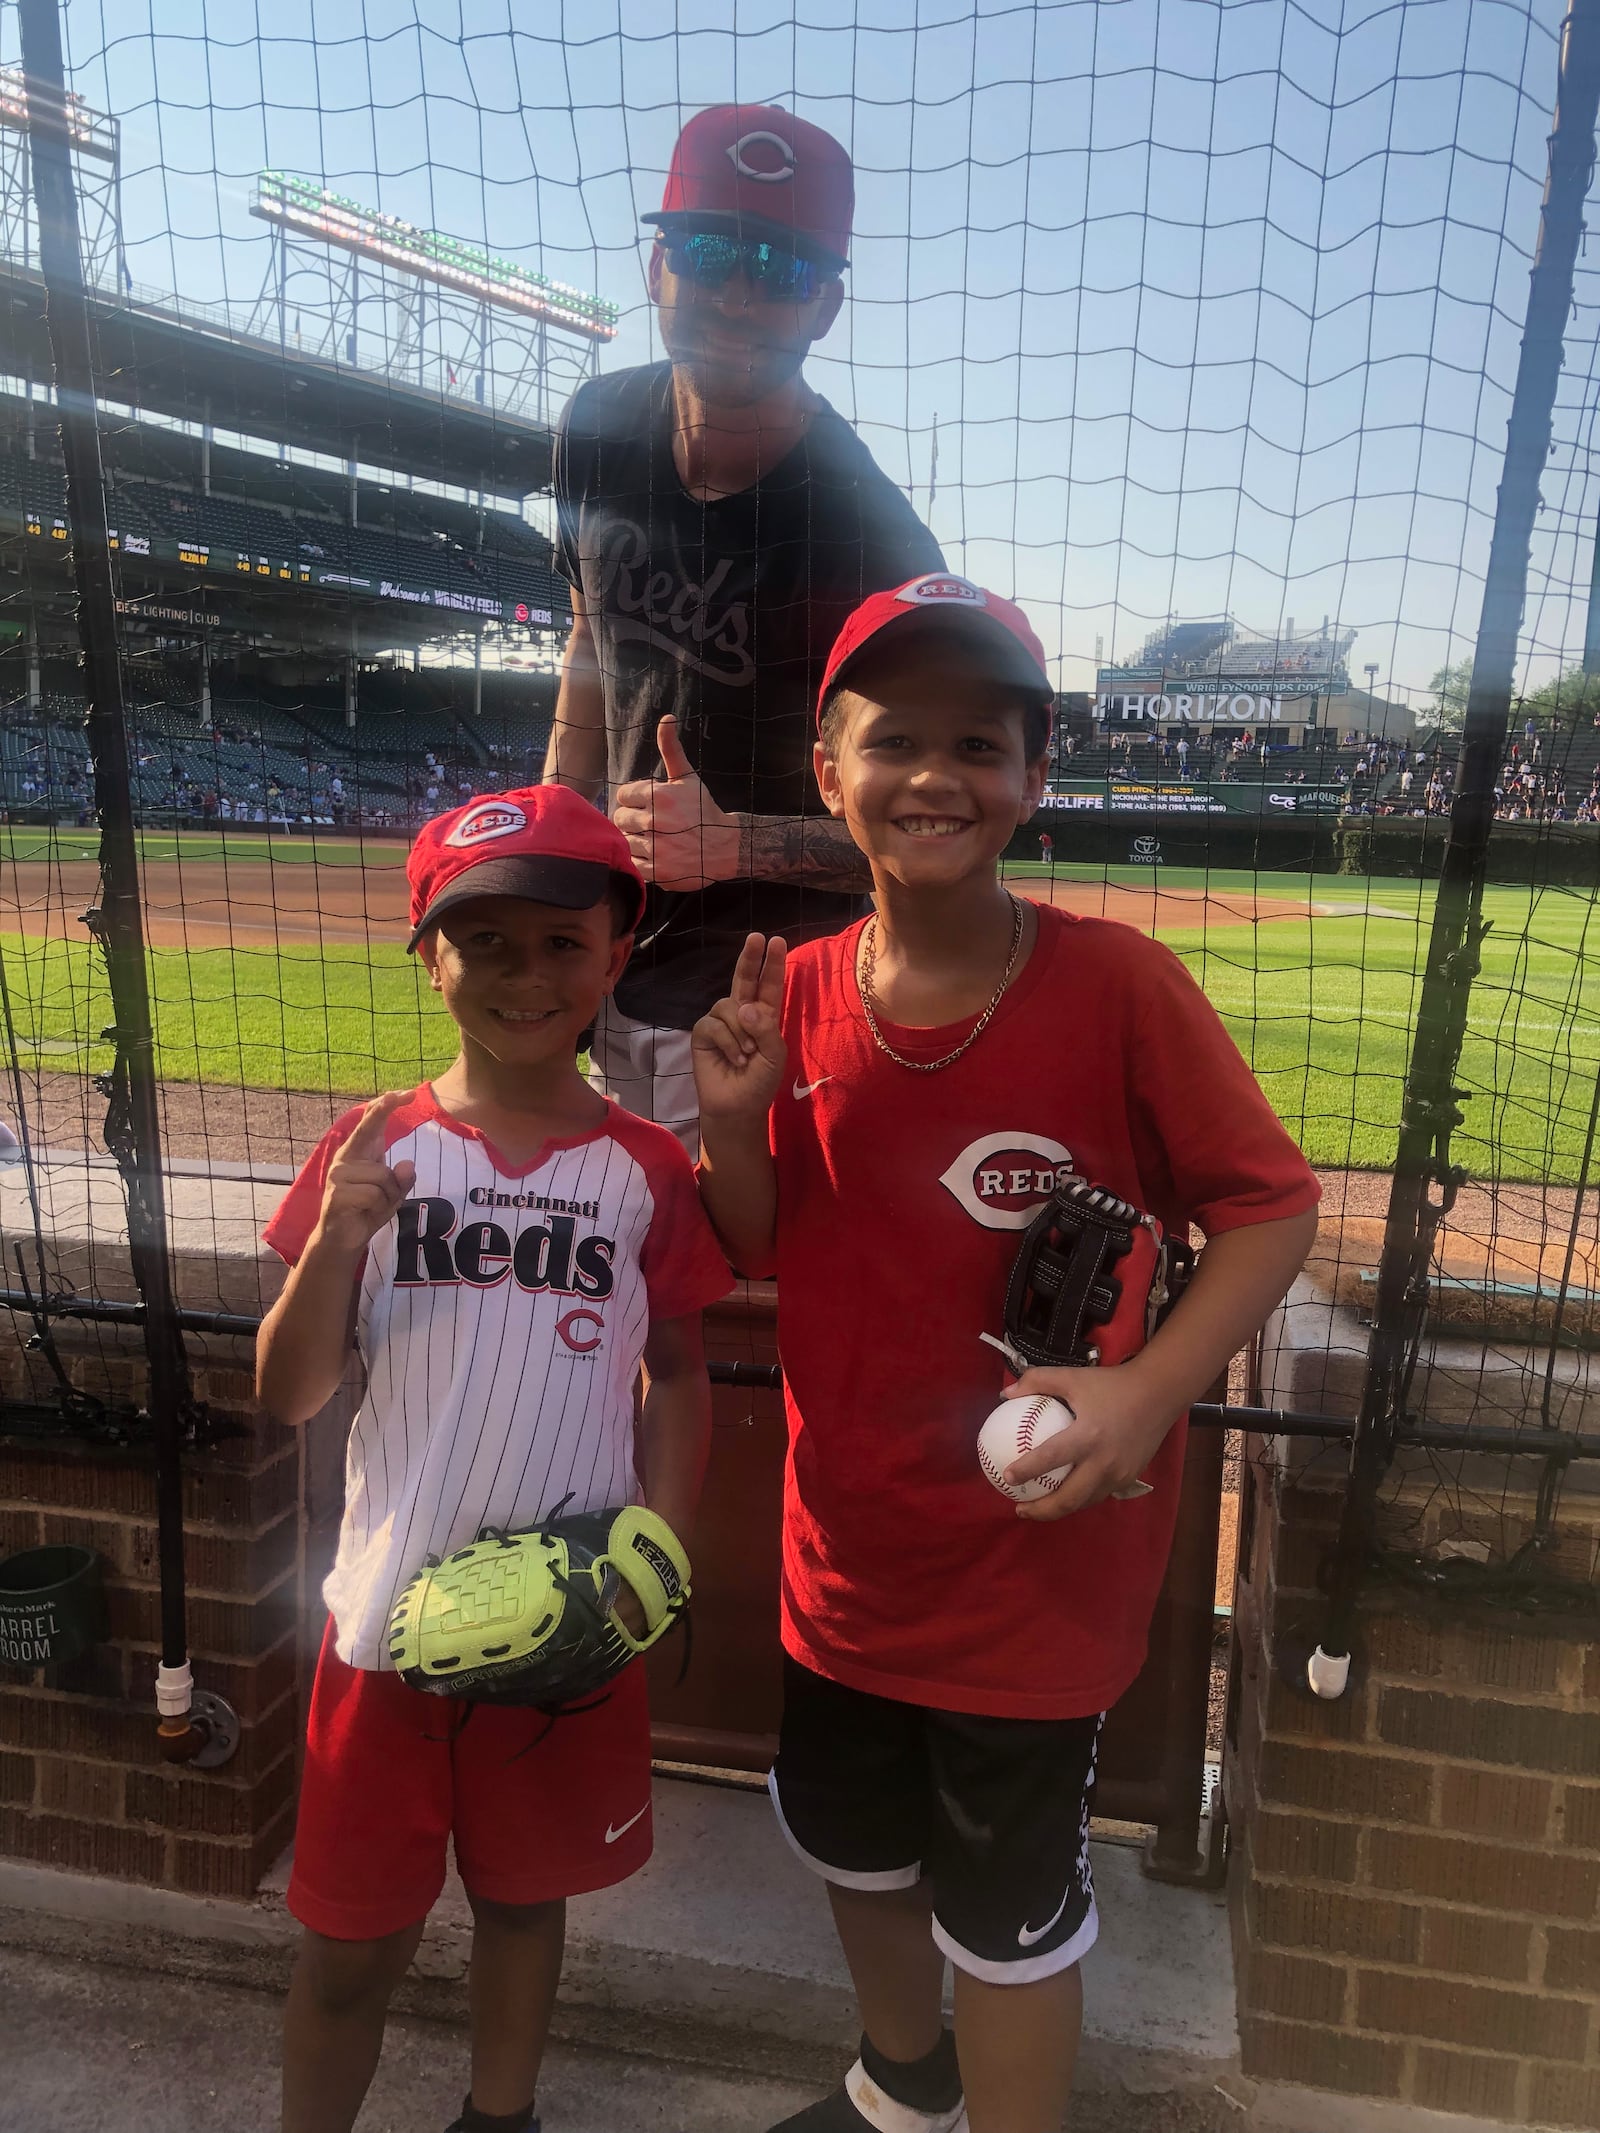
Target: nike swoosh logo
{"type": "Point", "coordinates": [1029, 1934]}
{"type": "Point", "coordinates": [802, 1089]}
{"type": "Point", "coordinates": [613, 1834]}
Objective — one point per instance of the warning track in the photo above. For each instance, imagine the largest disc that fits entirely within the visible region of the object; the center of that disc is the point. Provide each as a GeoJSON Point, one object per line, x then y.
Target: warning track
{"type": "Point", "coordinates": [259, 903]}
{"type": "Point", "coordinates": [218, 903]}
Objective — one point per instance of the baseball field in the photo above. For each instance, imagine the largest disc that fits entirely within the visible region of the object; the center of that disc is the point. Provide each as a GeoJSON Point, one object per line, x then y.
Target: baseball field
{"type": "Point", "coordinates": [278, 964]}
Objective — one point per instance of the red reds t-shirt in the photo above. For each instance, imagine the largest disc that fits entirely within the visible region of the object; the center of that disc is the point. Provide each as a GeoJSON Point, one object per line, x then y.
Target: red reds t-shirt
{"type": "Point", "coordinates": [501, 1318]}
{"type": "Point", "coordinates": [901, 1196]}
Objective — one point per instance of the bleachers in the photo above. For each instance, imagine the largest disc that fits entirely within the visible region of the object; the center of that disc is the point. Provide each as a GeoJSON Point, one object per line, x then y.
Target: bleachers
{"type": "Point", "coordinates": [515, 562]}
{"type": "Point", "coordinates": [276, 754]}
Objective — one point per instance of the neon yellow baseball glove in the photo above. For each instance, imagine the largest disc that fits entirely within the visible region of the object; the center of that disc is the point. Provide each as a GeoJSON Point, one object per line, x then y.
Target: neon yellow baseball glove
{"type": "Point", "coordinates": [531, 1618]}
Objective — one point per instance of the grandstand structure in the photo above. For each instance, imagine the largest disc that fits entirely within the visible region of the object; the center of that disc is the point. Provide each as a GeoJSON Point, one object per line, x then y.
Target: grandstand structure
{"type": "Point", "coordinates": [1217, 673]}
{"type": "Point", "coordinates": [333, 604]}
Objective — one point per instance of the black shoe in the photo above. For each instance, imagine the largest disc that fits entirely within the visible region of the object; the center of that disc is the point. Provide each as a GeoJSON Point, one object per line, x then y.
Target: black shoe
{"type": "Point", "coordinates": [472, 2121]}
{"type": "Point", "coordinates": [860, 2104]}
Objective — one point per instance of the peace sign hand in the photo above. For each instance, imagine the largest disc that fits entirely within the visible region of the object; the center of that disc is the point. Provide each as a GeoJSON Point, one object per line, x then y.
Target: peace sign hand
{"type": "Point", "coordinates": [739, 1052]}
{"type": "Point", "coordinates": [362, 1191]}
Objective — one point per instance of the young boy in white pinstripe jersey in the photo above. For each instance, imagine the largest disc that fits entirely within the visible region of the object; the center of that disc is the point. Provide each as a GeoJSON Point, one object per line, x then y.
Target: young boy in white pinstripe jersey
{"type": "Point", "coordinates": [503, 1248]}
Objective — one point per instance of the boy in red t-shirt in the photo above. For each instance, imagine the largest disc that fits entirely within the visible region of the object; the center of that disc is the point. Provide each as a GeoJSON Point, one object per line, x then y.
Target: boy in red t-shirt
{"type": "Point", "coordinates": [503, 1248]}
{"type": "Point", "coordinates": [879, 1123]}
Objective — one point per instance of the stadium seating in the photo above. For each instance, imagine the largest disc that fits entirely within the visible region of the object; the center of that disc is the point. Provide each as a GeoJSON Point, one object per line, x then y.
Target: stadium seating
{"type": "Point", "coordinates": [274, 760]}
{"type": "Point", "coordinates": [514, 564]}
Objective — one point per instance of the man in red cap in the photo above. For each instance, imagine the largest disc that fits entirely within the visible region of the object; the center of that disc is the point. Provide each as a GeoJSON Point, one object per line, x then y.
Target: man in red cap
{"type": "Point", "coordinates": [718, 521]}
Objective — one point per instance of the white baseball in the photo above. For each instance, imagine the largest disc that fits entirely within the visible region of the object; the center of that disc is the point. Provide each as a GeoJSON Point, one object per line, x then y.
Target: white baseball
{"type": "Point", "coordinates": [1015, 1427]}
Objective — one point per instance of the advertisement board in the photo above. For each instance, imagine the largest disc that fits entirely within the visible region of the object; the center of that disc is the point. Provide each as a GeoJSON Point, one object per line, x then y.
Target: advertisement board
{"type": "Point", "coordinates": [231, 564]}
{"type": "Point", "coordinates": [1186, 796]}
{"type": "Point", "coordinates": [1209, 707]}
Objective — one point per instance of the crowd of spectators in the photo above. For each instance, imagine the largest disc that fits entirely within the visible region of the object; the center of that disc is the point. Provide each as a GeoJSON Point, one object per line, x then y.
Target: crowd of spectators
{"type": "Point", "coordinates": [241, 771]}
{"type": "Point", "coordinates": [1376, 774]}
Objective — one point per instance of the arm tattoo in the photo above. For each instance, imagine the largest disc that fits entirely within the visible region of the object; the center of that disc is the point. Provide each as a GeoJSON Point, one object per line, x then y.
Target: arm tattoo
{"type": "Point", "coordinates": [814, 849]}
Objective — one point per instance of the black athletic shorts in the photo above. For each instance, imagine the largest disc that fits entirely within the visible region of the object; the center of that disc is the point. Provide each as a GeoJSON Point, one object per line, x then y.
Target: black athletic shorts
{"type": "Point", "coordinates": [994, 1812]}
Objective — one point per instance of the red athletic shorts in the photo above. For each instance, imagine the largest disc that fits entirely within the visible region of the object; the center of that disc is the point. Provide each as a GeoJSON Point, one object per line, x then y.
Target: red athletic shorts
{"type": "Point", "coordinates": [538, 1808]}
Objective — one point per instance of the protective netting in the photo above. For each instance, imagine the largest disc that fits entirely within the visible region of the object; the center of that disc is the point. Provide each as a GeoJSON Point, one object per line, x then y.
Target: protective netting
{"type": "Point", "coordinates": [1192, 327]}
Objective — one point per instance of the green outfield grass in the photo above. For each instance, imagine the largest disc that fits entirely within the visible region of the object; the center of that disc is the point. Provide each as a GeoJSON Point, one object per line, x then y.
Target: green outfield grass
{"type": "Point", "coordinates": [342, 1018]}
{"type": "Point", "coordinates": [1322, 1006]}
{"type": "Point", "coordinates": [1324, 1010]}
{"type": "Point", "coordinates": [330, 848]}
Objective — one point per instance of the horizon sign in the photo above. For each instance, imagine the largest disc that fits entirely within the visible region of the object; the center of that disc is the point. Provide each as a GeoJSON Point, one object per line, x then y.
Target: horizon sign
{"type": "Point", "coordinates": [1175, 709]}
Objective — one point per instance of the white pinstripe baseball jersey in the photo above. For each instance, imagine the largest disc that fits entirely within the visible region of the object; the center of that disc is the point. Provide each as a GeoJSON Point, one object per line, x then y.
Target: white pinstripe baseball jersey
{"type": "Point", "coordinates": [501, 1320]}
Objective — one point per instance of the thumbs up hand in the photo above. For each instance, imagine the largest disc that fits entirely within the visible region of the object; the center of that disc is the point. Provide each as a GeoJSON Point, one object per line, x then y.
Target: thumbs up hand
{"type": "Point", "coordinates": [679, 837]}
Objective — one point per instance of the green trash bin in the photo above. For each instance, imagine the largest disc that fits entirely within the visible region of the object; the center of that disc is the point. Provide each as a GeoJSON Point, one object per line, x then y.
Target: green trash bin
{"type": "Point", "coordinates": [52, 1606]}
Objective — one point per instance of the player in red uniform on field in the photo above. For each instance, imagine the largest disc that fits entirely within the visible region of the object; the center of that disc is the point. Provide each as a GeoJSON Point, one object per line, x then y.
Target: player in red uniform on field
{"type": "Point", "coordinates": [503, 1247]}
{"type": "Point", "coordinates": [879, 1122]}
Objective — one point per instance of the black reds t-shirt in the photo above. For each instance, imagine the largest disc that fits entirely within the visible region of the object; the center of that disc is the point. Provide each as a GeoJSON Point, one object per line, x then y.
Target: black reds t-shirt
{"type": "Point", "coordinates": [722, 613]}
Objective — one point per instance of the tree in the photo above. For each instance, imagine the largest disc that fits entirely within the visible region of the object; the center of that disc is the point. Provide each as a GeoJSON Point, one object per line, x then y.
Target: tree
{"type": "Point", "coordinates": [1450, 686]}
{"type": "Point", "coordinates": [1569, 699]}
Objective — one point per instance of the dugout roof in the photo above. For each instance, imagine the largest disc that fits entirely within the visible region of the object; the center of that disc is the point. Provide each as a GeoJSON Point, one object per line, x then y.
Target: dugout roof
{"type": "Point", "coordinates": [155, 360]}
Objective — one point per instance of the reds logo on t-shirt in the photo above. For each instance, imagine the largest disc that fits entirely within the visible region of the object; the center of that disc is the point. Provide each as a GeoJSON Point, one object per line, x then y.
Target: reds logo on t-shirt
{"type": "Point", "coordinates": [1001, 1179]}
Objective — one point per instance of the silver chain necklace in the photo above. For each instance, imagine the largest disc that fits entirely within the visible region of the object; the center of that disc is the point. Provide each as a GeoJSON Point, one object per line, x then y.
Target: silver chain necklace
{"type": "Point", "coordinates": [869, 965]}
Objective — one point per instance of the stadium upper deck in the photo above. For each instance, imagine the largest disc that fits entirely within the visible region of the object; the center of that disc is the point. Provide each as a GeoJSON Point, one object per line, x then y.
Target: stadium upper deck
{"type": "Point", "coordinates": [212, 539]}
{"type": "Point", "coordinates": [174, 362]}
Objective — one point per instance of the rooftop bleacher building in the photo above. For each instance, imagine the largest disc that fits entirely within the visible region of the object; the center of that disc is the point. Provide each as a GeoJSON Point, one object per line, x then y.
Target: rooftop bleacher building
{"type": "Point", "coordinates": [1217, 674]}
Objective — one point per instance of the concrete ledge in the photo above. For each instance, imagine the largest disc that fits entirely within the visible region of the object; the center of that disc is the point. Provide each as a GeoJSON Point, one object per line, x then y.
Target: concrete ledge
{"type": "Point", "coordinates": [1276, 2107]}
{"type": "Point", "coordinates": [215, 1216]}
{"type": "Point", "coordinates": [682, 1963]}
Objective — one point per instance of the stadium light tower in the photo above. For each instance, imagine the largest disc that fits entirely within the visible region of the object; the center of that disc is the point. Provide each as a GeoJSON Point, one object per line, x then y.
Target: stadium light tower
{"type": "Point", "coordinates": [431, 307]}
{"type": "Point", "coordinates": [97, 155]}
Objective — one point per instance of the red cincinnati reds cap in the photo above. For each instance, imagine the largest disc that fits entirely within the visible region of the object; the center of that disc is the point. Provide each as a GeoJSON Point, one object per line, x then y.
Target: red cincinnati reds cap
{"type": "Point", "coordinates": [544, 843]}
{"type": "Point", "coordinates": [765, 173]}
{"type": "Point", "coordinates": [946, 602]}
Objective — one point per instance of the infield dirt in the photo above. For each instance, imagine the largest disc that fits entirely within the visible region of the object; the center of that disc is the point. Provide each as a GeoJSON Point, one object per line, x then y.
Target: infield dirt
{"type": "Point", "coordinates": [218, 903]}
{"type": "Point", "coordinates": [254, 903]}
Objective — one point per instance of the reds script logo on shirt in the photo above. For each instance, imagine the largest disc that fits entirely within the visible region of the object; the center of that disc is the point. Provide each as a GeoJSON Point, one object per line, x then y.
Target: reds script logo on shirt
{"type": "Point", "coordinates": [946, 591]}
{"type": "Point", "coordinates": [1002, 1179]}
{"type": "Point", "coordinates": [698, 625]}
{"type": "Point", "coordinates": [429, 1249]}
{"type": "Point", "coordinates": [490, 818]}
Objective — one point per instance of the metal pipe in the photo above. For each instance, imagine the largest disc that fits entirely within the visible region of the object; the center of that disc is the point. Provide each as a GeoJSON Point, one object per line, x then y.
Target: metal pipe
{"type": "Point", "coordinates": [1429, 1107]}
{"type": "Point", "coordinates": [1205, 1414]}
{"type": "Point", "coordinates": [121, 1311]}
{"type": "Point", "coordinates": [133, 1124]}
{"type": "Point", "coordinates": [1174, 1853]}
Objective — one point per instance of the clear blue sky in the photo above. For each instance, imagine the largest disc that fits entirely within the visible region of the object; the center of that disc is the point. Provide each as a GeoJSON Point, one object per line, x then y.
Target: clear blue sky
{"type": "Point", "coordinates": [1216, 305]}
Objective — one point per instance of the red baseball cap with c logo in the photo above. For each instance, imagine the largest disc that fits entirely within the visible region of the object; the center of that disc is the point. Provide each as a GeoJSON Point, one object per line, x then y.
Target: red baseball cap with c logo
{"type": "Point", "coordinates": [544, 843]}
{"type": "Point", "coordinates": [761, 172]}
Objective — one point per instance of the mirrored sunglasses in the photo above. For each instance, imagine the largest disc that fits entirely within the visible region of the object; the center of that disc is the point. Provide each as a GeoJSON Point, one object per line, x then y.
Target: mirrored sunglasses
{"type": "Point", "coordinates": [711, 259]}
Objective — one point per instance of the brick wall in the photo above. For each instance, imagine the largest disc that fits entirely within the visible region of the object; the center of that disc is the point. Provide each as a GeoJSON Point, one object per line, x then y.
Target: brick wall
{"type": "Point", "coordinates": [81, 1782]}
{"type": "Point", "coordinates": [1415, 1892]}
